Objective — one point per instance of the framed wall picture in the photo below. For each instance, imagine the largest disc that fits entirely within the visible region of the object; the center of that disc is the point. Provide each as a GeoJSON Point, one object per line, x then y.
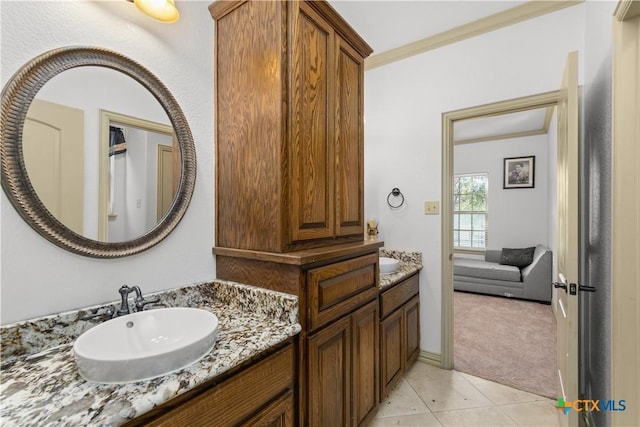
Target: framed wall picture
{"type": "Point", "coordinates": [519, 172]}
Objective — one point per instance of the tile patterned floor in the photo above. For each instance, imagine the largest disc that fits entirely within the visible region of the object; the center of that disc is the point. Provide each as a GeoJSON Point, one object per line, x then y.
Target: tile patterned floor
{"type": "Point", "coordinates": [429, 396]}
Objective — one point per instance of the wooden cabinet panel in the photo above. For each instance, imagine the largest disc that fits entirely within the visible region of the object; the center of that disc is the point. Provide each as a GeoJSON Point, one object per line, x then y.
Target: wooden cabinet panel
{"type": "Point", "coordinates": [329, 386]}
{"type": "Point", "coordinates": [391, 353]}
{"type": "Point", "coordinates": [338, 288]}
{"type": "Point", "coordinates": [226, 403]}
{"type": "Point", "coordinates": [289, 126]}
{"type": "Point", "coordinates": [411, 312]}
{"type": "Point", "coordinates": [249, 105]}
{"type": "Point", "coordinates": [365, 387]}
{"type": "Point", "coordinates": [399, 331]}
{"type": "Point", "coordinates": [312, 127]}
{"type": "Point", "coordinates": [278, 414]}
{"type": "Point", "coordinates": [349, 140]}
{"type": "Point", "coordinates": [395, 297]}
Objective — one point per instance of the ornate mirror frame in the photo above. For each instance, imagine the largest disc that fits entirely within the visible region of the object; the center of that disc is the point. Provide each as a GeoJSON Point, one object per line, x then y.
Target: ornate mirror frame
{"type": "Point", "coordinates": [17, 96]}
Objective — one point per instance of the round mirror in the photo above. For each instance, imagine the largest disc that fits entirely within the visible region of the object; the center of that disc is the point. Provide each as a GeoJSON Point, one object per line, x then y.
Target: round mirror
{"type": "Point", "coordinates": [98, 159]}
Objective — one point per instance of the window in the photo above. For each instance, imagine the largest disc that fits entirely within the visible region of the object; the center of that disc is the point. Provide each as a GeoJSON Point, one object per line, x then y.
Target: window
{"type": "Point", "coordinates": [470, 211]}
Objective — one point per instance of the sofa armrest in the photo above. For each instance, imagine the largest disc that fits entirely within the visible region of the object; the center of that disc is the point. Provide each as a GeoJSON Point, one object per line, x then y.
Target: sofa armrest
{"type": "Point", "coordinates": [537, 275]}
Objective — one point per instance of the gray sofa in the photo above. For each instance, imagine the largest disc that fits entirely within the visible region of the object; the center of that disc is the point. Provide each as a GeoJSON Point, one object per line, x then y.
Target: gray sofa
{"type": "Point", "coordinates": [488, 276]}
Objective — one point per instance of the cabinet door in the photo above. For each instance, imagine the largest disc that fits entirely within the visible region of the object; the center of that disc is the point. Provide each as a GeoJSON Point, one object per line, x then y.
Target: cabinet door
{"type": "Point", "coordinates": [312, 148]}
{"type": "Point", "coordinates": [329, 389]}
{"type": "Point", "coordinates": [226, 404]}
{"type": "Point", "coordinates": [364, 389]}
{"type": "Point", "coordinates": [391, 351]}
{"type": "Point", "coordinates": [278, 414]}
{"type": "Point", "coordinates": [349, 140]}
{"type": "Point", "coordinates": [412, 330]}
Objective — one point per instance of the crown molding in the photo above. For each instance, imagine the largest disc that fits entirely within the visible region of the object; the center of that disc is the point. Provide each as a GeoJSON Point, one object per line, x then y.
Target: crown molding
{"type": "Point", "coordinates": [627, 9]}
{"type": "Point", "coordinates": [529, 10]}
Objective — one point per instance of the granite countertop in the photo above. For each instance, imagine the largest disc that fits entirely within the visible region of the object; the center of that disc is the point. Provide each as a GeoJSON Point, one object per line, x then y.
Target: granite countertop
{"type": "Point", "coordinates": [41, 386]}
{"type": "Point", "coordinates": [410, 263]}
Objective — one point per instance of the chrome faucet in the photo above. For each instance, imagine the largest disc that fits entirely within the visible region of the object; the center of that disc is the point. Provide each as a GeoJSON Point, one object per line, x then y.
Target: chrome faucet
{"type": "Point", "coordinates": [140, 301]}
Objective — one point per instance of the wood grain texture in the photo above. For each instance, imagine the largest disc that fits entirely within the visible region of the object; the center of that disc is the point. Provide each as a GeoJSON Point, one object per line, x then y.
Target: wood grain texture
{"type": "Point", "coordinates": [411, 331]}
{"type": "Point", "coordinates": [329, 386]}
{"type": "Point", "coordinates": [312, 132]}
{"type": "Point", "coordinates": [226, 404]}
{"type": "Point", "coordinates": [399, 331]}
{"type": "Point", "coordinates": [307, 257]}
{"type": "Point", "coordinates": [393, 298]}
{"type": "Point", "coordinates": [339, 288]}
{"type": "Point", "coordinates": [349, 140]}
{"type": "Point", "coordinates": [265, 274]}
{"type": "Point", "coordinates": [289, 188]}
{"type": "Point", "coordinates": [280, 184]}
{"type": "Point", "coordinates": [249, 134]}
{"type": "Point", "coordinates": [257, 269]}
{"type": "Point", "coordinates": [342, 27]}
{"type": "Point", "coordinates": [365, 357]}
{"type": "Point", "coordinates": [391, 352]}
{"type": "Point", "coordinates": [280, 413]}
{"type": "Point", "coordinates": [221, 8]}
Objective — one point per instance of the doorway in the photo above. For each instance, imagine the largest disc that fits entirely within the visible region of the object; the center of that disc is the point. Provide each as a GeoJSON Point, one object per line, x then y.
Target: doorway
{"type": "Point", "coordinates": [137, 182]}
{"type": "Point", "coordinates": [450, 124]}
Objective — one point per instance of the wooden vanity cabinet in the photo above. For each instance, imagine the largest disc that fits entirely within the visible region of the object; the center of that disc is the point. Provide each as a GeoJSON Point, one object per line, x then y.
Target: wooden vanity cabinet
{"type": "Point", "coordinates": [399, 331]}
{"type": "Point", "coordinates": [261, 394]}
{"type": "Point", "coordinates": [289, 126]}
{"type": "Point", "coordinates": [343, 364]}
{"type": "Point", "coordinates": [338, 303]}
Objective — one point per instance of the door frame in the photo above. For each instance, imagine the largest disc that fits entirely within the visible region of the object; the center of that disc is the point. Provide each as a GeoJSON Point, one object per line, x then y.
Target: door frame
{"type": "Point", "coordinates": [547, 99]}
{"type": "Point", "coordinates": [625, 201]}
{"type": "Point", "coordinates": [106, 118]}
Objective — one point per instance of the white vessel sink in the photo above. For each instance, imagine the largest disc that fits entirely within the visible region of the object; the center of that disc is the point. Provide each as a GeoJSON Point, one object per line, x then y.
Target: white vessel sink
{"type": "Point", "coordinates": [145, 345]}
{"type": "Point", "coordinates": [388, 265]}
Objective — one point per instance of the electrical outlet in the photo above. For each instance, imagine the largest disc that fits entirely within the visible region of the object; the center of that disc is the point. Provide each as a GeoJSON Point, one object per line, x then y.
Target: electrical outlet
{"type": "Point", "coordinates": [431, 208]}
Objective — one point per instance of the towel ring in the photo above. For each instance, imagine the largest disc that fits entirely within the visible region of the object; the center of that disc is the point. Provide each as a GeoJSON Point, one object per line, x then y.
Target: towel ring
{"type": "Point", "coordinates": [395, 193]}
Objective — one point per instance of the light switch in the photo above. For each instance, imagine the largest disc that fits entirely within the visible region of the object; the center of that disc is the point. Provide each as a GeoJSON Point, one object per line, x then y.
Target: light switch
{"type": "Point", "coordinates": [432, 208]}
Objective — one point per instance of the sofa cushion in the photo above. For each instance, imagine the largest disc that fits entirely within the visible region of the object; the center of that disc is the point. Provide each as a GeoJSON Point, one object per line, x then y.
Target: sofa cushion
{"type": "Point", "coordinates": [487, 270]}
{"type": "Point", "coordinates": [517, 257]}
{"type": "Point", "coordinates": [493, 255]}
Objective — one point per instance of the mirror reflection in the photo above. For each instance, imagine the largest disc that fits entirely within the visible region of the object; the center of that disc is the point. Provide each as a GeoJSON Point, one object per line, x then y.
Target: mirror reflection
{"type": "Point", "coordinates": [101, 154]}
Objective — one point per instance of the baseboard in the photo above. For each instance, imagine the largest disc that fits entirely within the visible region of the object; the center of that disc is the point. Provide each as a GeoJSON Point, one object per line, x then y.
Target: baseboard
{"type": "Point", "coordinates": [430, 358]}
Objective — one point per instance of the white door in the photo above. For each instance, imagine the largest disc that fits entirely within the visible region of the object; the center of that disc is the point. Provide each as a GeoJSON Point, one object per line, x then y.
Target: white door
{"type": "Point", "coordinates": [165, 187]}
{"type": "Point", "coordinates": [566, 301]}
{"type": "Point", "coordinates": [53, 150]}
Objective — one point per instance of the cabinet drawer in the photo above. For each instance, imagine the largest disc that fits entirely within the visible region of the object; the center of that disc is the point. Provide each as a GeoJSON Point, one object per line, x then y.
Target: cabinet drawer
{"type": "Point", "coordinates": [393, 298]}
{"type": "Point", "coordinates": [227, 404]}
{"type": "Point", "coordinates": [337, 289]}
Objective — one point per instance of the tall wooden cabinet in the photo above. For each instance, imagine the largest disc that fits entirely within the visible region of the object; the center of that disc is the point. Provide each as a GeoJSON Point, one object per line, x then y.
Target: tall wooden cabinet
{"type": "Point", "coordinates": [289, 190]}
{"type": "Point", "coordinates": [289, 126]}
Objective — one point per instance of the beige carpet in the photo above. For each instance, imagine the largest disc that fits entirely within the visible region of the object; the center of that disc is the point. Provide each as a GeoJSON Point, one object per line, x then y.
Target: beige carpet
{"type": "Point", "coordinates": [509, 341]}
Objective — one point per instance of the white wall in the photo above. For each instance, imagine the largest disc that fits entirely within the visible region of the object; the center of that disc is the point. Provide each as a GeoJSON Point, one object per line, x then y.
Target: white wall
{"type": "Point", "coordinates": [517, 217]}
{"type": "Point", "coordinates": [92, 89]}
{"type": "Point", "coordinates": [404, 102]}
{"type": "Point", "coordinates": [37, 277]}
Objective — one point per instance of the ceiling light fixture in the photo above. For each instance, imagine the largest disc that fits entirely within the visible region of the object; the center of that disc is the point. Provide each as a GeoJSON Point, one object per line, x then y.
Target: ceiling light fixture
{"type": "Point", "coordinates": [162, 10]}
